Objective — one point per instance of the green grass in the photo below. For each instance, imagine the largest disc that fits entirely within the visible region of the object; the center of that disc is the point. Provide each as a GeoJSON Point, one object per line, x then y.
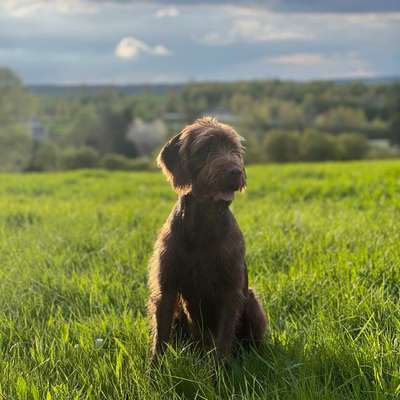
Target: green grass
{"type": "Point", "coordinates": [323, 249]}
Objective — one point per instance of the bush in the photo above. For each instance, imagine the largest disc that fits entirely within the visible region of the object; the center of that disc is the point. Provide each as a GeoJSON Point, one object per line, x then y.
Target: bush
{"type": "Point", "coordinates": [351, 146]}
{"type": "Point", "coordinates": [45, 157]}
{"type": "Point", "coordinates": [140, 164]}
{"type": "Point", "coordinates": [342, 118]}
{"type": "Point", "coordinates": [118, 162]}
{"type": "Point", "coordinates": [254, 152]}
{"type": "Point", "coordinates": [378, 153]}
{"type": "Point", "coordinates": [395, 128]}
{"type": "Point", "coordinates": [82, 157]}
{"type": "Point", "coordinates": [281, 146]}
{"type": "Point", "coordinates": [318, 146]}
{"type": "Point", "coordinates": [15, 149]}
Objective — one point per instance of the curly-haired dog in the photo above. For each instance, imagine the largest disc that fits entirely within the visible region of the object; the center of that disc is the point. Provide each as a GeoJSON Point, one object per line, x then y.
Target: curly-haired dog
{"type": "Point", "coordinates": [198, 275]}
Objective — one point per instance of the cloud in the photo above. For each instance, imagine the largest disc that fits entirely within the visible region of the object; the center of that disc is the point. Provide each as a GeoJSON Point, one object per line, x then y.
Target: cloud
{"type": "Point", "coordinates": [296, 6]}
{"type": "Point", "coordinates": [21, 8]}
{"type": "Point", "coordinates": [372, 20]}
{"type": "Point", "coordinates": [297, 59]}
{"type": "Point", "coordinates": [130, 47]}
{"type": "Point", "coordinates": [334, 65]}
{"type": "Point", "coordinates": [54, 42]}
{"type": "Point", "coordinates": [26, 8]}
{"type": "Point", "coordinates": [167, 12]}
{"type": "Point", "coordinates": [250, 26]}
{"type": "Point", "coordinates": [334, 6]}
{"type": "Point", "coordinates": [256, 30]}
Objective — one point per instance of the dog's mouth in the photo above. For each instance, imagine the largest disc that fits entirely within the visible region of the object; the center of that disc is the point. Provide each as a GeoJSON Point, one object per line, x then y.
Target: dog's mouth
{"type": "Point", "coordinates": [224, 196]}
{"type": "Point", "coordinates": [227, 194]}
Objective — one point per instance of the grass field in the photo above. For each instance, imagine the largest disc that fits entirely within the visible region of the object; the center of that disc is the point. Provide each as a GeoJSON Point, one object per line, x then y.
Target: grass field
{"type": "Point", "coordinates": [323, 249]}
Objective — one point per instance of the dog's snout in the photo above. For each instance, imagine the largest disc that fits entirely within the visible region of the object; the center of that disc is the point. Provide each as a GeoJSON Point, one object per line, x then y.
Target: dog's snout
{"type": "Point", "coordinates": [235, 172]}
{"type": "Point", "coordinates": [234, 178]}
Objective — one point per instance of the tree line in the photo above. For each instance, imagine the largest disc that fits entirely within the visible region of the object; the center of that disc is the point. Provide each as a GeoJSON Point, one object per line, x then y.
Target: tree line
{"type": "Point", "coordinates": [281, 122]}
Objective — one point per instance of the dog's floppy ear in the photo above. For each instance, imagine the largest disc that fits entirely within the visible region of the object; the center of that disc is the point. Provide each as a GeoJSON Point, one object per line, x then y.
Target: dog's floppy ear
{"type": "Point", "coordinates": [171, 163]}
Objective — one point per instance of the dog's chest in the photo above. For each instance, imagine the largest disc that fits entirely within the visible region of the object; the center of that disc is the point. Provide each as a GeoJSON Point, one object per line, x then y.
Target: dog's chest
{"type": "Point", "coordinates": [211, 249]}
{"type": "Point", "coordinates": [207, 272]}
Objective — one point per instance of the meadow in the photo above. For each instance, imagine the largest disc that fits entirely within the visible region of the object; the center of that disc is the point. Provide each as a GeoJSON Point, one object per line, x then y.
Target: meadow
{"type": "Point", "coordinates": [323, 249]}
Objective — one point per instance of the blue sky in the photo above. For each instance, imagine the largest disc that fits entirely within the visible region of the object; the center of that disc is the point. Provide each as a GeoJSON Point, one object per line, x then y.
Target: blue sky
{"type": "Point", "coordinates": [126, 41]}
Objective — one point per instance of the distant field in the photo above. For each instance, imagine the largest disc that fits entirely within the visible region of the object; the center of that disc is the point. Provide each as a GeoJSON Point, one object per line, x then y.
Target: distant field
{"type": "Point", "coordinates": [323, 249]}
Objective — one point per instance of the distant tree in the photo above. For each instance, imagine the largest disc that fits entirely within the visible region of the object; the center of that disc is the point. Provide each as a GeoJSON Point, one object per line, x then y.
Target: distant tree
{"type": "Point", "coordinates": [394, 128]}
{"type": "Point", "coordinates": [115, 162]}
{"type": "Point", "coordinates": [85, 124]}
{"type": "Point", "coordinates": [148, 106]}
{"type": "Point", "coordinates": [194, 105]}
{"type": "Point", "coordinates": [351, 146]}
{"type": "Point", "coordinates": [378, 124]}
{"type": "Point", "coordinates": [394, 122]}
{"type": "Point", "coordinates": [240, 102]}
{"type": "Point", "coordinates": [341, 119]}
{"type": "Point", "coordinates": [110, 136]}
{"type": "Point", "coordinates": [255, 116]}
{"type": "Point", "coordinates": [45, 156]}
{"type": "Point", "coordinates": [15, 111]}
{"type": "Point", "coordinates": [16, 103]}
{"type": "Point", "coordinates": [254, 152]}
{"type": "Point", "coordinates": [82, 157]}
{"type": "Point", "coordinates": [103, 119]}
{"type": "Point", "coordinates": [317, 146]}
{"type": "Point", "coordinates": [357, 88]}
{"type": "Point", "coordinates": [118, 162]}
{"type": "Point", "coordinates": [9, 78]}
{"type": "Point", "coordinates": [281, 146]}
{"type": "Point", "coordinates": [291, 116]}
{"type": "Point", "coordinates": [146, 136]}
{"type": "Point", "coordinates": [172, 102]}
{"type": "Point", "coordinates": [15, 148]}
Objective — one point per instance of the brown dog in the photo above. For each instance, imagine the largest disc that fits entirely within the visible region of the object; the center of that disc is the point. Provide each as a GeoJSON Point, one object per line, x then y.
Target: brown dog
{"type": "Point", "coordinates": [198, 275]}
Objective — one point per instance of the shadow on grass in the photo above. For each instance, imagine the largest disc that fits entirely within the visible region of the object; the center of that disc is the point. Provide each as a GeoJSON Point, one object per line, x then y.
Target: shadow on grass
{"type": "Point", "coordinates": [276, 370]}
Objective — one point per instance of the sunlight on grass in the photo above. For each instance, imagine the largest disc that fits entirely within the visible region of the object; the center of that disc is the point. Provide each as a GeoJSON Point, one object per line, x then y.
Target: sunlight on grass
{"type": "Point", "coordinates": [323, 253]}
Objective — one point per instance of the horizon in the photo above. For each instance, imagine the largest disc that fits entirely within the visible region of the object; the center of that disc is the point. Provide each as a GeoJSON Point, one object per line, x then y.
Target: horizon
{"type": "Point", "coordinates": [366, 80]}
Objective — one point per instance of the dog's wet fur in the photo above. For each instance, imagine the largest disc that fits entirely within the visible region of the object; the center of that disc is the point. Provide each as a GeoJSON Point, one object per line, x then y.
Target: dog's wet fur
{"type": "Point", "coordinates": [198, 276]}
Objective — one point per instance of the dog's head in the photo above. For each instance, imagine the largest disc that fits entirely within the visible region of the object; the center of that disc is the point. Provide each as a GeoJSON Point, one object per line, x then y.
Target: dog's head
{"type": "Point", "coordinates": [205, 158]}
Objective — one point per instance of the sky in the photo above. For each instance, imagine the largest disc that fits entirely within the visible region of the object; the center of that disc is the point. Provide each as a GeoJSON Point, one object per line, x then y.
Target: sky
{"type": "Point", "coordinates": [145, 41]}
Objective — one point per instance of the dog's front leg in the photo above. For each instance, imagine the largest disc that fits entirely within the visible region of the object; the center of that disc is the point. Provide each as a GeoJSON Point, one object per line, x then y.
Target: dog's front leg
{"type": "Point", "coordinates": [226, 327]}
{"type": "Point", "coordinates": [164, 306]}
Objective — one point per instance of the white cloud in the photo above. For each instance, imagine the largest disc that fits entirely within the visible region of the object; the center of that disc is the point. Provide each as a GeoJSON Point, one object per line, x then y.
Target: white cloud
{"type": "Point", "coordinates": [167, 12]}
{"type": "Point", "coordinates": [246, 24]}
{"type": "Point", "coordinates": [298, 59]}
{"type": "Point", "coordinates": [249, 26]}
{"type": "Point", "coordinates": [252, 31]}
{"type": "Point", "coordinates": [372, 20]}
{"type": "Point", "coordinates": [335, 65]}
{"type": "Point", "coordinates": [256, 30]}
{"type": "Point", "coordinates": [261, 43]}
{"type": "Point", "coordinates": [360, 72]}
{"type": "Point", "coordinates": [26, 8]}
{"type": "Point", "coordinates": [130, 47]}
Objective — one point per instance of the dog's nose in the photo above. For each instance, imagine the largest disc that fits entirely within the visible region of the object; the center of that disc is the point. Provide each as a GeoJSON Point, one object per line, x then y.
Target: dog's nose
{"type": "Point", "coordinates": [235, 172]}
{"type": "Point", "coordinates": [234, 178]}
